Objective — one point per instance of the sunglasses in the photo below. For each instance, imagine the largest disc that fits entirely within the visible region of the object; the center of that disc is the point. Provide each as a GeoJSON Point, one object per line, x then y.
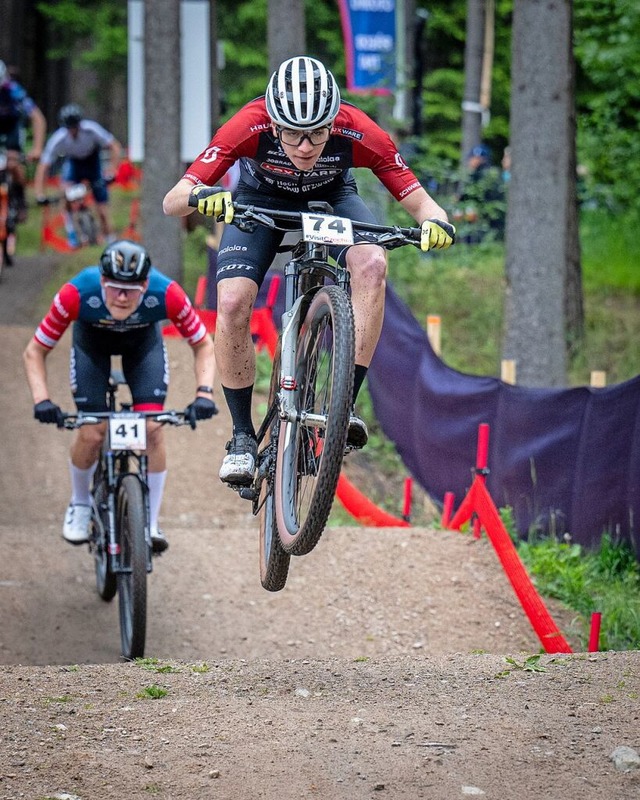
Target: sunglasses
{"type": "Point", "coordinates": [295, 138]}
{"type": "Point", "coordinates": [126, 288]}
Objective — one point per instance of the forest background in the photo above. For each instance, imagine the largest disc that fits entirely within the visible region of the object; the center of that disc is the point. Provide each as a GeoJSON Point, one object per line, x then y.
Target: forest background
{"type": "Point", "coordinates": [572, 119]}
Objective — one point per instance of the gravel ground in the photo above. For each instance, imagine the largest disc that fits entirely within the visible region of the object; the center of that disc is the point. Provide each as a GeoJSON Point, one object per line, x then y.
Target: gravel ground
{"type": "Point", "coordinates": [379, 671]}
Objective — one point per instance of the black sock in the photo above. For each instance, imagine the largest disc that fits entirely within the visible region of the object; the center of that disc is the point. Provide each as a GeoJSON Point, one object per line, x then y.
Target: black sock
{"type": "Point", "coordinates": [359, 374]}
{"type": "Point", "coordinates": [239, 402]}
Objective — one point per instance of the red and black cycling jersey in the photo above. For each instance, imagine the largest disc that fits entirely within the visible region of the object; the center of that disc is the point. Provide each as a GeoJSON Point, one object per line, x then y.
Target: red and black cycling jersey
{"type": "Point", "coordinates": [355, 141]}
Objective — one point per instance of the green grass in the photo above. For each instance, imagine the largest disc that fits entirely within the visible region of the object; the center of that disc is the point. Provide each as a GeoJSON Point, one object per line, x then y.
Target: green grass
{"type": "Point", "coordinates": [606, 580]}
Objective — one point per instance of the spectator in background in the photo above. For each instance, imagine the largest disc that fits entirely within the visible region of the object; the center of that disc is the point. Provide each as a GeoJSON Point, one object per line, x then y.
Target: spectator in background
{"type": "Point", "coordinates": [481, 206]}
{"type": "Point", "coordinates": [506, 164]}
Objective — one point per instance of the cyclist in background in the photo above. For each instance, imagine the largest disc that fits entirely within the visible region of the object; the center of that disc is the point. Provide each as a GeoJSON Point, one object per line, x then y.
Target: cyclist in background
{"type": "Point", "coordinates": [15, 108]}
{"type": "Point", "coordinates": [80, 142]}
{"type": "Point", "coordinates": [295, 144]}
{"type": "Point", "coordinates": [116, 309]}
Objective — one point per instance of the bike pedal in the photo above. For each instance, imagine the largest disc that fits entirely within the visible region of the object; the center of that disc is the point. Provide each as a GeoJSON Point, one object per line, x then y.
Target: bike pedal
{"type": "Point", "coordinates": [247, 493]}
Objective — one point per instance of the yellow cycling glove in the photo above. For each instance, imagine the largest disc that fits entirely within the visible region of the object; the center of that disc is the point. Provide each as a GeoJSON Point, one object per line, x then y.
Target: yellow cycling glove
{"type": "Point", "coordinates": [436, 235]}
{"type": "Point", "coordinates": [212, 202]}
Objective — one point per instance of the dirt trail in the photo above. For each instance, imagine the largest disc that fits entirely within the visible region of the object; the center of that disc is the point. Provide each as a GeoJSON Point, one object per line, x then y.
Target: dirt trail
{"type": "Point", "coordinates": [358, 680]}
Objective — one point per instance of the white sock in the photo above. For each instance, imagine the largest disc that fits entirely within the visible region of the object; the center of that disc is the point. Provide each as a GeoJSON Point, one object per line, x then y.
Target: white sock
{"type": "Point", "coordinates": [81, 484]}
{"type": "Point", "coordinates": [155, 481]}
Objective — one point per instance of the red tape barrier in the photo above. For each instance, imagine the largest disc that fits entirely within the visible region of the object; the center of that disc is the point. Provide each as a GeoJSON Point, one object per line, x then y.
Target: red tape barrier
{"type": "Point", "coordinates": [478, 505]}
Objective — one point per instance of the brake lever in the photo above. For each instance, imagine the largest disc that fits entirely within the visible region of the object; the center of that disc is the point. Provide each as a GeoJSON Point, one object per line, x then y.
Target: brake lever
{"type": "Point", "coordinates": [259, 219]}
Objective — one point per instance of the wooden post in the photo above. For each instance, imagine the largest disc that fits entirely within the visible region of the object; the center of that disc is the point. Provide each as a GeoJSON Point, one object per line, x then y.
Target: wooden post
{"type": "Point", "coordinates": [598, 379]}
{"type": "Point", "coordinates": [433, 332]}
{"type": "Point", "coordinates": [508, 370]}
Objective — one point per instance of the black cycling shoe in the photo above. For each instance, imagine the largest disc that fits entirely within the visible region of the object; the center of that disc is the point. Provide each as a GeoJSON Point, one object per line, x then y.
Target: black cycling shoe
{"type": "Point", "coordinates": [358, 435]}
{"type": "Point", "coordinates": [159, 541]}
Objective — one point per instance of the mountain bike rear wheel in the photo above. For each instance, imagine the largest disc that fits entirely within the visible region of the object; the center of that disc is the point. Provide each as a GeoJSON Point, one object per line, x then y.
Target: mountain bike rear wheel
{"type": "Point", "coordinates": [309, 457]}
{"type": "Point", "coordinates": [132, 580]}
{"type": "Point", "coordinates": [106, 583]}
{"type": "Point", "coordinates": [274, 562]}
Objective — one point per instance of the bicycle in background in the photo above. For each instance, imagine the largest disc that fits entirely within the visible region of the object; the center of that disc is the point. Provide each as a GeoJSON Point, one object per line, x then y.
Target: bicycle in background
{"type": "Point", "coordinates": [11, 205]}
{"type": "Point", "coordinates": [303, 435]}
{"type": "Point", "coordinates": [80, 222]}
{"type": "Point", "coordinates": [120, 537]}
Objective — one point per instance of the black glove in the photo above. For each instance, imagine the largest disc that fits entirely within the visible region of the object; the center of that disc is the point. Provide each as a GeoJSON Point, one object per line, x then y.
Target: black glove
{"type": "Point", "coordinates": [46, 411]}
{"type": "Point", "coordinates": [201, 408]}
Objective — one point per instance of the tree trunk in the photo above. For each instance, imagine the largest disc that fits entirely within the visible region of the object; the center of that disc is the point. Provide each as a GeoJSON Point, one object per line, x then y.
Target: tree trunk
{"type": "Point", "coordinates": [473, 57]}
{"type": "Point", "coordinates": [541, 191]}
{"type": "Point", "coordinates": [574, 305]}
{"type": "Point", "coordinates": [162, 166]}
{"type": "Point", "coordinates": [285, 31]}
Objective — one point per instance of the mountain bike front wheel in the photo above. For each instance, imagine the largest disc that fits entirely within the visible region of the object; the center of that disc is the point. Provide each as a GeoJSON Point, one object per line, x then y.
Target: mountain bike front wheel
{"type": "Point", "coordinates": [132, 579]}
{"type": "Point", "coordinates": [87, 226]}
{"type": "Point", "coordinates": [310, 455]}
{"type": "Point", "coordinates": [105, 579]}
{"type": "Point", "coordinates": [274, 562]}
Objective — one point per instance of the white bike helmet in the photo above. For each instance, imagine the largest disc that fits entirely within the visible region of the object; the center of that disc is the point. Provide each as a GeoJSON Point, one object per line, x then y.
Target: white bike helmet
{"type": "Point", "coordinates": [302, 94]}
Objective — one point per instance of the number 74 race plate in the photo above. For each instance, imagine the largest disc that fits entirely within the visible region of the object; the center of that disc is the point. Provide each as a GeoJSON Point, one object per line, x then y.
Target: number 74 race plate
{"type": "Point", "coordinates": [326, 229]}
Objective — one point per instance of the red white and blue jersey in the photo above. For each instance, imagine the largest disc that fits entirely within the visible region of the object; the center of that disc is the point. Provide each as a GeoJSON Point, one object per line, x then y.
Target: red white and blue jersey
{"type": "Point", "coordinates": [82, 300]}
{"type": "Point", "coordinates": [355, 141]}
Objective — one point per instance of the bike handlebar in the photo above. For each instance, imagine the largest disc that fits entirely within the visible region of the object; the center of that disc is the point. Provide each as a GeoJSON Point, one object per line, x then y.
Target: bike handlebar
{"type": "Point", "coordinates": [387, 236]}
{"type": "Point", "coordinates": [74, 421]}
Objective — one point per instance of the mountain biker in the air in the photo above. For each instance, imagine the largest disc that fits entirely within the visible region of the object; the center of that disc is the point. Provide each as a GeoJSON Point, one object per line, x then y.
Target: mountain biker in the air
{"type": "Point", "coordinates": [116, 309]}
{"type": "Point", "coordinates": [295, 144]}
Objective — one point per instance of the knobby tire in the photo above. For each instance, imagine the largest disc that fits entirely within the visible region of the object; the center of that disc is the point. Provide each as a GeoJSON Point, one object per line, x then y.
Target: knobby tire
{"type": "Point", "coordinates": [106, 583]}
{"type": "Point", "coordinates": [309, 459]}
{"type": "Point", "coordinates": [274, 561]}
{"type": "Point", "coordinates": [132, 582]}
{"type": "Point", "coordinates": [87, 226]}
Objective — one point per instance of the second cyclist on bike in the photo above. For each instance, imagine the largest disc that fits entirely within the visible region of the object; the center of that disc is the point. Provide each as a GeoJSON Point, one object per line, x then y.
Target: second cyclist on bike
{"type": "Point", "coordinates": [116, 309]}
{"type": "Point", "coordinates": [295, 144]}
{"type": "Point", "coordinates": [80, 143]}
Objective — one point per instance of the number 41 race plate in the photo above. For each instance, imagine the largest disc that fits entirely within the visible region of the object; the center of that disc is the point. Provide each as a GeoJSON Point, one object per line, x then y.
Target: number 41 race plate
{"type": "Point", "coordinates": [326, 229]}
{"type": "Point", "coordinates": [128, 432]}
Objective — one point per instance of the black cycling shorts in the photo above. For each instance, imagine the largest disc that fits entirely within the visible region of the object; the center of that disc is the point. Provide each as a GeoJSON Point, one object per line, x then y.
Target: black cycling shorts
{"type": "Point", "coordinates": [249, 255]}
{"type": "Point", "coordinates": [76, 170]}
{"type": "Point", "coordinates": [144, 363]}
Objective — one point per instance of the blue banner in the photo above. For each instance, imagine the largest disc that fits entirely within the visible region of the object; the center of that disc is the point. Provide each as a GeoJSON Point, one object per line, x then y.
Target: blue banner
{"type": "Point", "coordinates": [369, 32]}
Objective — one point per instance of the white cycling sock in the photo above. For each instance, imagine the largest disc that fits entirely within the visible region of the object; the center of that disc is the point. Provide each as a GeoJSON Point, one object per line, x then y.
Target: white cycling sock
{"type": "Point", "coordinates": [81, 484]}
{"type": "Point", "coordinates": [155, 481]}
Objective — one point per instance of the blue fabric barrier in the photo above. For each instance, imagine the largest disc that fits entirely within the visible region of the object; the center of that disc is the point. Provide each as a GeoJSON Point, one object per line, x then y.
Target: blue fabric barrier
{"type": "Point", "coordinates": [565, 460]}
